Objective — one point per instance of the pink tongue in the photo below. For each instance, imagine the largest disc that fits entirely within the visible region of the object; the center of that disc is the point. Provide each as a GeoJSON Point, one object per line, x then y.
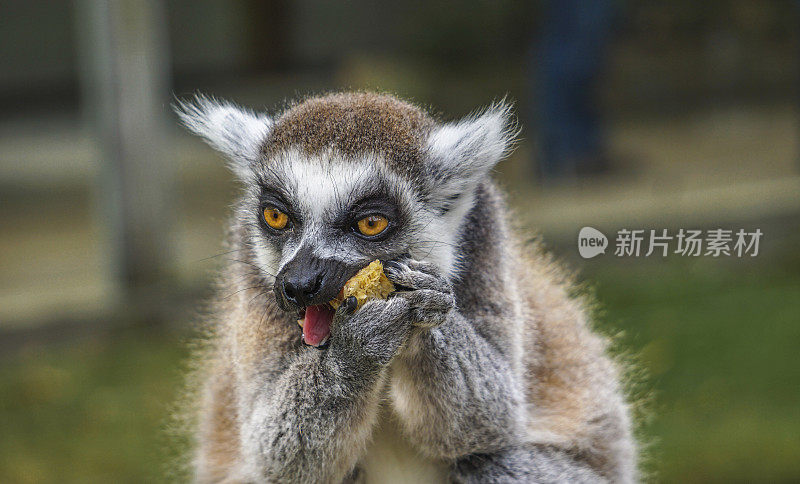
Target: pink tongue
{"type": "Point", "coordinates": [317, 324]}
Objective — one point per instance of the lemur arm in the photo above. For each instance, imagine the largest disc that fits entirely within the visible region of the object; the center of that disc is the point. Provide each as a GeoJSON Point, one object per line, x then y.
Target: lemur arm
{"type": "Point", "coordinates": [311, 422]}
{"type": "Point", "coordinates": [456, 393]}
{"type": "Point", "coordinates": [459, 398]}
{"type": "Point", "coordinates": [530, 463]}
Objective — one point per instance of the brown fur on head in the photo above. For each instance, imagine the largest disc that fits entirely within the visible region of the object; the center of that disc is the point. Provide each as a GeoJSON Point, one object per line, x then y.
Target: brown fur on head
{"type": "Point", "coordinates": [353, 124]}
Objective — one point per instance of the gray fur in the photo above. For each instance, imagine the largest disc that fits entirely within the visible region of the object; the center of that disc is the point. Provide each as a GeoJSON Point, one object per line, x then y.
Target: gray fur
{"type": "Point", "coordinates": [524, 464]}
{"type": "Point", "coordinates": [319, 395]}
{"type": "Point", "coordinates": [481, 356]}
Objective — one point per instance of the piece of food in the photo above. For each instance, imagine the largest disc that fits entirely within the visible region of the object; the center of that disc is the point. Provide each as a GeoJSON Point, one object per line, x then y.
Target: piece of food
{"type": "Point", "coordinates": [368, 283]}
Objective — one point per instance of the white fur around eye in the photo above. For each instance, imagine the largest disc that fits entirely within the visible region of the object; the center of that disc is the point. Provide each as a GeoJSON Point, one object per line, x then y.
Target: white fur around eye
{"type": "Point", "coordinates": [321, 186]}
{"type": "Point", "coordinates": [324, 185]}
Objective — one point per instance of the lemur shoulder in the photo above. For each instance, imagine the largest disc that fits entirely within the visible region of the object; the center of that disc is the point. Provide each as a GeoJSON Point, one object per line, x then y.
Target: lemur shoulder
{"type": "Point", "coordinates": [481, 369]}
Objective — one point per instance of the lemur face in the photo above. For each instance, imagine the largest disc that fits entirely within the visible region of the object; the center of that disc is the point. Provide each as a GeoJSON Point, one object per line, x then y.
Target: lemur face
{"type": "Point", "coordinates": [316, 220]}
{"type": "Point", "coordinates": [336, 182]}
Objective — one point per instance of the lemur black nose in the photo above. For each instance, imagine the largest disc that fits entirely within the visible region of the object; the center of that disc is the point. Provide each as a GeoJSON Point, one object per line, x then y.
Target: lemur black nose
{"type": "Point", "coordinates": [307, 280]}
{"type": "Point", "coordinates": [301, 290]}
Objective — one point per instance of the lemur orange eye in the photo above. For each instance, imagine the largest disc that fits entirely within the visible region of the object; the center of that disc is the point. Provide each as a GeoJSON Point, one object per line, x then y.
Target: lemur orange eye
{"type": "Point", "coordinates": [275, 218]}
{"type": "Point", "coordinates": [372, 225]}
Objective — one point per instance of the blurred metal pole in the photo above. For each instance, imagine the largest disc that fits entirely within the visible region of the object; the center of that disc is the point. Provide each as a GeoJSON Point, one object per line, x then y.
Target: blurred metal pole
{"type": "Point", "coordinates": [124, 51]}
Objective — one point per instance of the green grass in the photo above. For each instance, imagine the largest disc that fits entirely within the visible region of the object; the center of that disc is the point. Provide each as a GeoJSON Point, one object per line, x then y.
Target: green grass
{"type": "Point", "coordinates": [93, 411]}
{"type": "Point", "coordinates": [720, 344]}
{"type": "Point", "coordinates": [719, 341]}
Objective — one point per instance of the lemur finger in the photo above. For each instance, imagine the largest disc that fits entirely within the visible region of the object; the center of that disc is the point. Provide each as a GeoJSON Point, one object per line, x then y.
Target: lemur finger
{"type": "Point", "coordinates": [350, 305]}
{"type": "Point", "coordinates": [378, 313]}
{"type": "Point", "coordinates": [345, 309]}
{"type": "Point", "coordinates": [402, 275]}
{"type": "Point", "coordinates": [387, 310]}
{"type": "Point", "coordinates": [428, 300]}
{"type": "Point", "coordinates": [375, 331]}
{"type": "Point", "coordinates": [380, 318]}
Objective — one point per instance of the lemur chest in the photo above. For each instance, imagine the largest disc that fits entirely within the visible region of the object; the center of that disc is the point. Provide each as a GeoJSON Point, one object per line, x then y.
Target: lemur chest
{"type": "Point", "coordinates": [391, 458]}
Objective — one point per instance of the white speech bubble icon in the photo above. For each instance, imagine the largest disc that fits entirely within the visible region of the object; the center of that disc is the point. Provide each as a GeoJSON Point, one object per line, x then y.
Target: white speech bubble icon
{"type": "Point", "coordinates": [591, 242]}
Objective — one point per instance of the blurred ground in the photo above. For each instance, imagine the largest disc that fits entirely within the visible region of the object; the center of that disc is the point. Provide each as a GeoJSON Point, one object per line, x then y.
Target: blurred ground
{"type": "Point", "coordinates": [94, 409]}
{"type": "Point", "coordinates": [718, 342]}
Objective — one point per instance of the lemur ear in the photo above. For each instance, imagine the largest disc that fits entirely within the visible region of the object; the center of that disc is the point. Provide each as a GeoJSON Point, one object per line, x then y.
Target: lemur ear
{"type": "Point", "coordinates": [462, 153]}
{"type": "Point", "coordinates": [234, 131]}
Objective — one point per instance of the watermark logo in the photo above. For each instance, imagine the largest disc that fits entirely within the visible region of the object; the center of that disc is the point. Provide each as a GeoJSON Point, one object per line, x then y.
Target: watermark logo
{"type": "Point", "coordinates": [591, 242]}
{"type": "Point", "coordinates": [661, 243]}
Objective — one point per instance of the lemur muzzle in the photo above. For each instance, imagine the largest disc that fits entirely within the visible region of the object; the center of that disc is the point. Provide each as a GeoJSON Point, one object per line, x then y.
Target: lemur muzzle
{"type": "Point", "coordinates": [308, 281]}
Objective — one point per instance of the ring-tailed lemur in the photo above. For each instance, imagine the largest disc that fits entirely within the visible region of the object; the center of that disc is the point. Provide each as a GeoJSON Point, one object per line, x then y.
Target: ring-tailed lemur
{"type": "Point", "coordinates": [481, 369]}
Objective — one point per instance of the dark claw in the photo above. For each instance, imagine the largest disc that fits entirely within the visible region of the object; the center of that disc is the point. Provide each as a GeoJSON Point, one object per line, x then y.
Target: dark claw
{"type": "Point", "coordinates": [394, 266]}
{"type": "Point", "coordinates": [350, 305]}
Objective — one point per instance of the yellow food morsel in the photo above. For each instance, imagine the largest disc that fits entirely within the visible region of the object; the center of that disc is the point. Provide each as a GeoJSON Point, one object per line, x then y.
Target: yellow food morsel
{"type": "Point", "coordinates": [368, 283]}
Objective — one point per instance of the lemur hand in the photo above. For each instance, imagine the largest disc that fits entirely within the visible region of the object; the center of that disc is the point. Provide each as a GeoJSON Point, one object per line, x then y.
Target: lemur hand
{"type": "Point", "coordinates": [428, 293]}
{"type": "Point", "coordinates": [372, 334]}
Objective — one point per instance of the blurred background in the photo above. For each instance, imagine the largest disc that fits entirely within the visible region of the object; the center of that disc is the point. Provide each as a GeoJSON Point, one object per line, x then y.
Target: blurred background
{"type": "Point", "coordinates": [635, 114]}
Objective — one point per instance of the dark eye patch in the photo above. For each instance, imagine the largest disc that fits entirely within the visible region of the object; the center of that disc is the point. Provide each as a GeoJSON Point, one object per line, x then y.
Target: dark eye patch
{"type": "Point", "coordinates": [380, 203]}
{"type": "Point", "coordinates": [377, 202]}
{"type": "Point", "coordinates": [276, 198]}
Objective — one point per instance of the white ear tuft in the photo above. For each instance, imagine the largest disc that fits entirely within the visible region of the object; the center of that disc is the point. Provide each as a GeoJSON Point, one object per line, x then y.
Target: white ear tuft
{"type": "Point", "coordinates": [461, 154]}
{"type": "Point", "coordinates": [234, 131]}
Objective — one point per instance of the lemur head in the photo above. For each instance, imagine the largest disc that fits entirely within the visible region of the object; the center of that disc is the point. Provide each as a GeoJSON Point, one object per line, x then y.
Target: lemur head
{"type": "Point", "coordinates": [335, 182]}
